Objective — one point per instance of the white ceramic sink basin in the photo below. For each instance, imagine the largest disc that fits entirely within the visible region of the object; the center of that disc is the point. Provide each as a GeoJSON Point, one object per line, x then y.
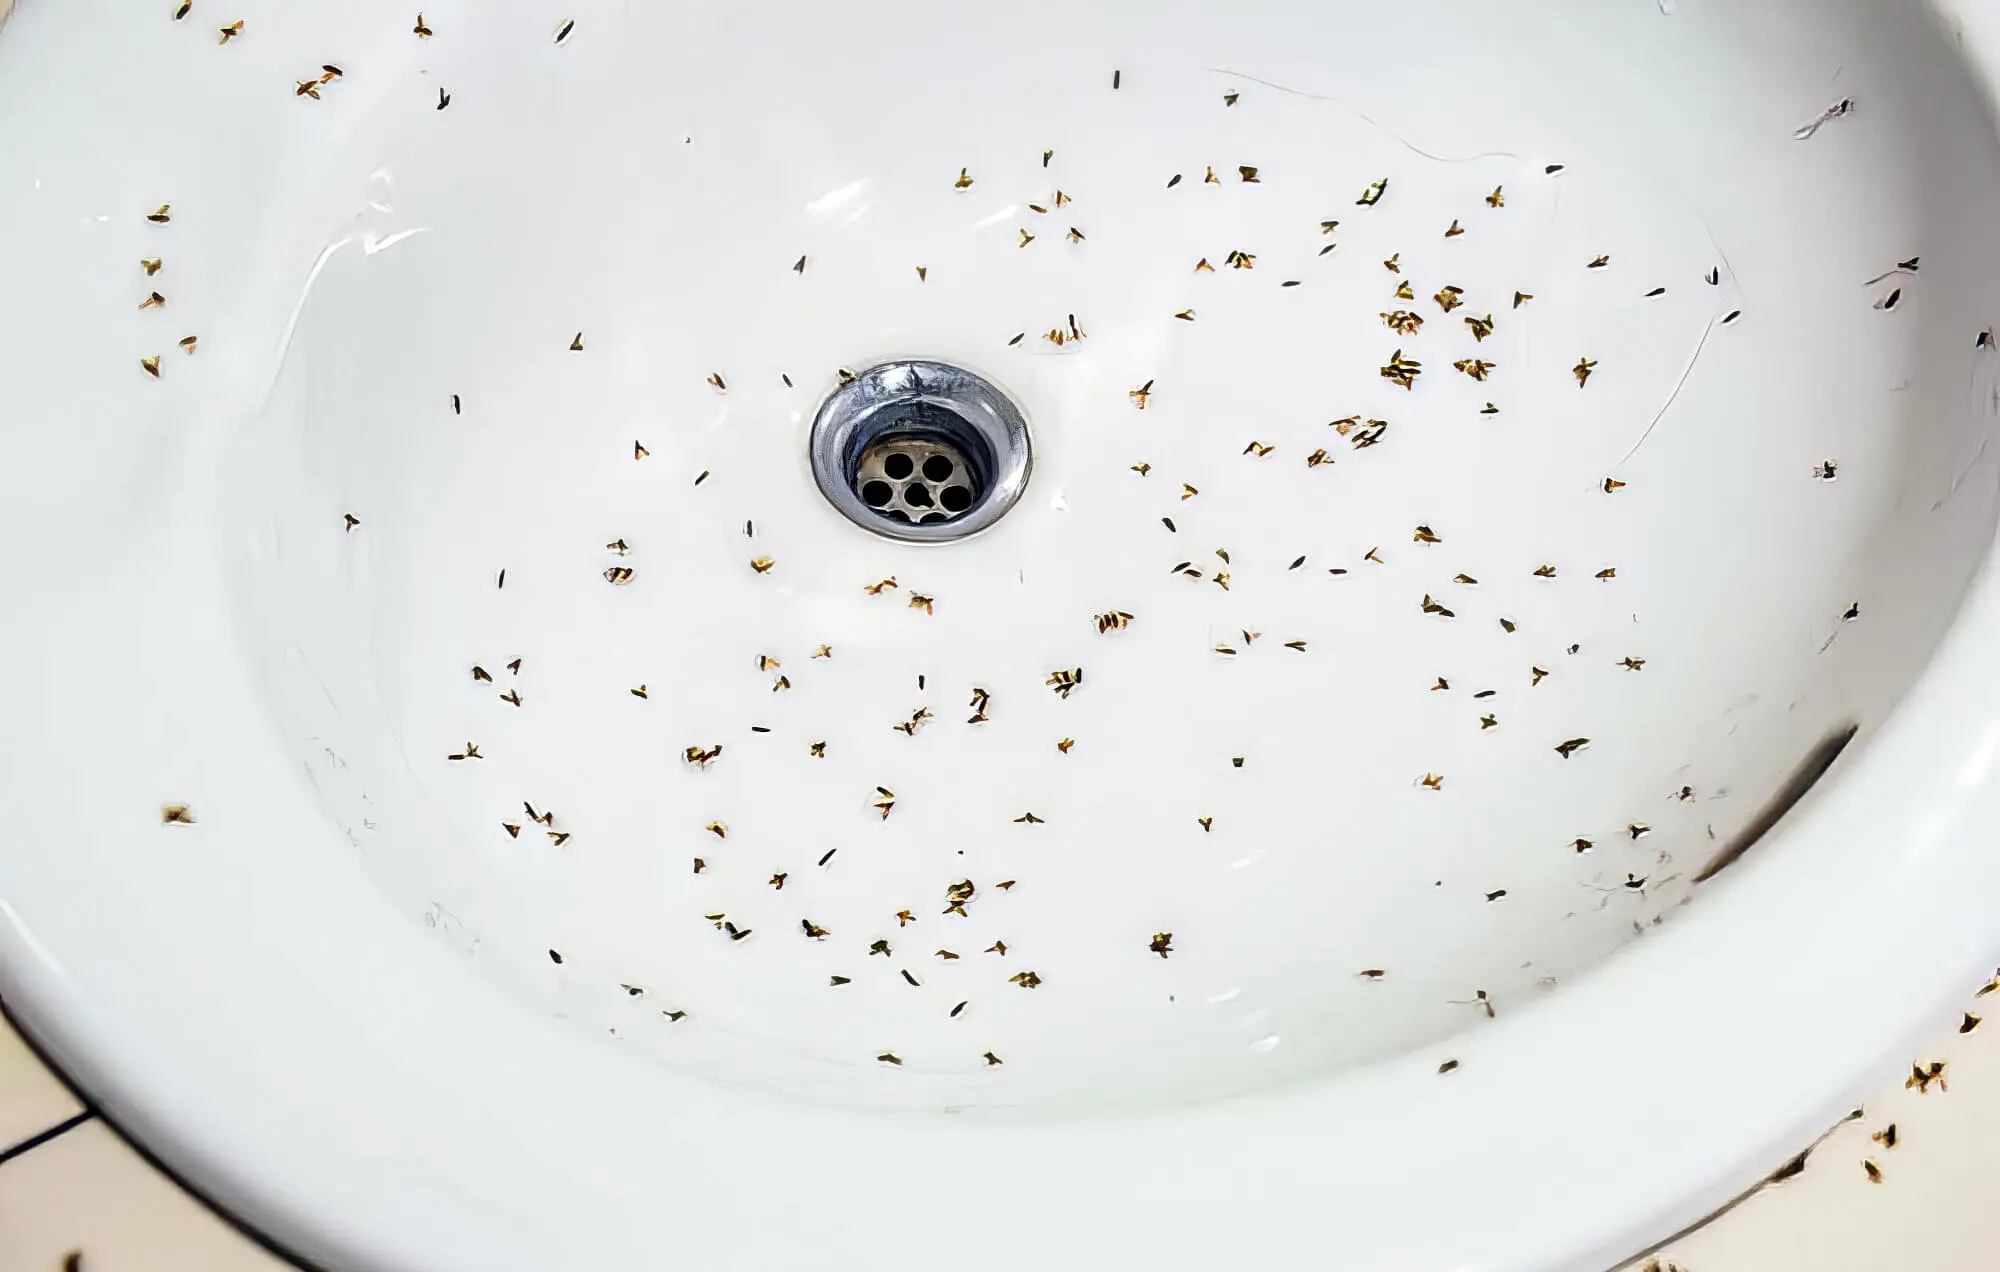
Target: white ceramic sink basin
{"type": "Point", "coordinates": [1462, 736]}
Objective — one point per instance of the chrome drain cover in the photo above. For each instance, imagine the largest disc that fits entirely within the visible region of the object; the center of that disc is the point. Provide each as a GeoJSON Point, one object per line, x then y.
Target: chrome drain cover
{"type": "Point", "coordinates": [920, 451]}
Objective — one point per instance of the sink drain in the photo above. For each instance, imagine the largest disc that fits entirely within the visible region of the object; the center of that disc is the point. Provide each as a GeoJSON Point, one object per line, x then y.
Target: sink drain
{"type": "Point", "coordinates": [920, 451]}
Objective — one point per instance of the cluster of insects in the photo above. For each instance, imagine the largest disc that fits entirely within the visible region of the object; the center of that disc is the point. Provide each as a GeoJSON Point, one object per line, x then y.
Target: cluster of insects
{"type": "Point", "coordinates": [1412, 312]}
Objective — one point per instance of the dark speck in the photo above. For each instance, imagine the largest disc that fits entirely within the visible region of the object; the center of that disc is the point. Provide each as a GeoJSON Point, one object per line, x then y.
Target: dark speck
{"type": "Point", "coordinates": [554, 957]}
{"type": "Point", "coordinates": [1791, 1169]}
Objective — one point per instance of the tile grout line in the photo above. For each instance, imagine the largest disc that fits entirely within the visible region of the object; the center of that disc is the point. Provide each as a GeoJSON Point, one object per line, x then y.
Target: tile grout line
{"type": "Point", "coordinates": [91, 1113]}
{"type": "Point", "coordinates": [35, 1141]}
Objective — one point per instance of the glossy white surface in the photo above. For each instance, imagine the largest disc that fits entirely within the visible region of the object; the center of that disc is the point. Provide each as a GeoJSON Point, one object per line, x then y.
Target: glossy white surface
{"type": "Point", "coordinates": [357, 918]}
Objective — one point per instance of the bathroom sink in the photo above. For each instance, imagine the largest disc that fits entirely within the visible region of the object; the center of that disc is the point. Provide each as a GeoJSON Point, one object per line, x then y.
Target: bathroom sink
{"type": "Point", "coordinates": [1082, 635]}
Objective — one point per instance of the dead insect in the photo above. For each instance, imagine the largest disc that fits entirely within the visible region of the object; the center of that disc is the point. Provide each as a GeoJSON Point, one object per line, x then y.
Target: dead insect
{"type": "Point", "coordinates": [1633, 664]}
{"type": "Point", "coordinates": [919, 601]}
{"type": "Point", "coordinates": [1843, 107]}
{"type": "Point", "coordinates": [998, 947]}
{"type": "Point", "coordinates": [1185, 315]}
{"type": "Point", "coordinates": [308, 88]}
{"type": "Point", "coordinates": [1827, 470]}
{"type": "Point", "coordinates": [1141, 395]}
{"type": "Point", "coordinates": [1599, 263]}
{"type": "Point", "coordinates": [619, 546]}
{"type": "Point", "coordinates": [618, 575]}
{"type": "Point", "coordinates": [176, 815]}
{"type": "Point", "coordinates": [762, 564]}
{"type": "Point", "coordinates": [1162, 943]}
{"type": "Point", "coordinates": [1890, 301]}
{"type": "Point", "coordinates": [182, 10]}
{"type": "Point", "coordinates": [1497, 199]}
{"type": "Point", "coordinates": [160, 216]}
{"type": "Point", "coordinates": [1403, 322]}
{"type": "Point", "coordinates": [1474, 367]}
{"type": "Point", "coordinates": [918, 718]}
{"type": "Point", "coordinates": [1373, 194]}
{"type": "Point", "coordinates": [1423, 534]}
{"type": "Point", "coordinates": [1258, 449]}
{"type": "Point", "coordinates": [1317, 458]}
{"type": "Point", "coordinates": [1612, 485]}
{"type": "Point", "coordinates": [230, 32]}
{"type": "Point", "coordinates": [1638, 830]}
{"type": "Point", "coordinates": [1113, 620]}
{"type": "Point", "coordinates": [1969, 1023]}
{"type": "Point", "coordinates": [511, 696]}
{"type": "Point", "coordinates": [1240, 260]}
{"type": "Point", "coordinates": [513, 829]}
{"type": "Point", "coordinates": [1064, 681]}
{"type": "Point", "coordinates": [1582, 370]}
{"type": "Point", "coordinates": [1433, 781]}
{"type": "Point", "coordinates": [1448, 298]}
{"type": "Point", "coordinates": [1453, 230]}
{"type": "Point", "coordinates": [876, 589]}
{"type": "Point", "coordinates": [1065, 745]}
{"type": "Point", "coordinates": [423, 32]}
{"type": "Point", "coordinates": [351, 521]}
{"type": "Point", "coordinates": [1536, 676]}
{"type": "Point", "coordinates": [151, 266]}
{"type": "Point", "coordinates": [1207, 824]}
{"type": "Point", "coordinates": [1026, 238]}
{"type": "Point", "coordinates": [151, 366]}
{"type": "Point", "coordinates": [1608, 573]}
{"type": "Point", "coordinates": [1572, 746]}
{"type": "Point", "coordinates": [471, 752]}
{"type": "Point", "coordinates": [964, 181]}
{"type": "Point", "coordinates": [1432, 607]}
{"type": "Point", "coordinates": [1488, 722]}
{"type": "Point", "coordinates": [563, 31]}
{"type": "Point", "coordinates": [1402, 371]}
{"type": "Point", "coordinates": [1026, 980]}
{"type": "Point", "coordinates": [716, 382]}
{"type": "Point", "coordinates": [885, 801]}
{"type": "Point", "coordinates": [890, 1057]}
{"type": "Point", "coordinates": [702, 757]}
{"type": "Point", "coordinates": [1481, 327]}
{"type": "Point", "coordinates": [153, 301]}
{"type": "Point", "coordinates": [1921, 1077]}
{"type": "Point", "coordinates": [1403, 291]}
{"type": "Point", "coordinates": [1731, 316]}
{"type": "Point", "coordinates": [1247, 172]}
{"type": "Point", "coordinates": [1521, 298]}
{"type": "Point", "coordinates": [1211, 178]}
{"type": "Point", "coordinates": [1545, 572]}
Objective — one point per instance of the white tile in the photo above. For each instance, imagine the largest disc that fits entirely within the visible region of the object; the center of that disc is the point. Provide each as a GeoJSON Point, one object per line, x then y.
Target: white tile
{"type": "Point", "coordinates": [86, 1191]}
{"type": "Point", "coordinates": [31, 1099]}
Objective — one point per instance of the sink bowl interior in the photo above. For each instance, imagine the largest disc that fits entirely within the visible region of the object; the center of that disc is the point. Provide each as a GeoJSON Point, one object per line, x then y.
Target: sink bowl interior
{"type": "Point", "coordinates": [1331, 750]}
{"type": "Point", "coordinates": [1487, 463]}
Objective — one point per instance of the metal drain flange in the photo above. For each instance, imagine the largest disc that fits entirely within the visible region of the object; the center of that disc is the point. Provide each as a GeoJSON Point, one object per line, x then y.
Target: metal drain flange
{"type": "Point", "coordinates": [920, 451]}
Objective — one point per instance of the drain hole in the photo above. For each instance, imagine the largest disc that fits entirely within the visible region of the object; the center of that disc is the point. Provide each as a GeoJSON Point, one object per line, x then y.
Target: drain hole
{"type": "Point", "coordinates": [1802, 780]}
{"type": "Point", "coordinates": [877, 493]}
{"type": "Point", "coordinates": [933, 518]}
{"type": "Point", "coordinates": [917, 495]}
{"type": "Point", "coordinates": [898, 466]}
{"type": "Point", "coordinates": [937, 468]}
{"type": "Point", "coordinates": [954, 498]}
